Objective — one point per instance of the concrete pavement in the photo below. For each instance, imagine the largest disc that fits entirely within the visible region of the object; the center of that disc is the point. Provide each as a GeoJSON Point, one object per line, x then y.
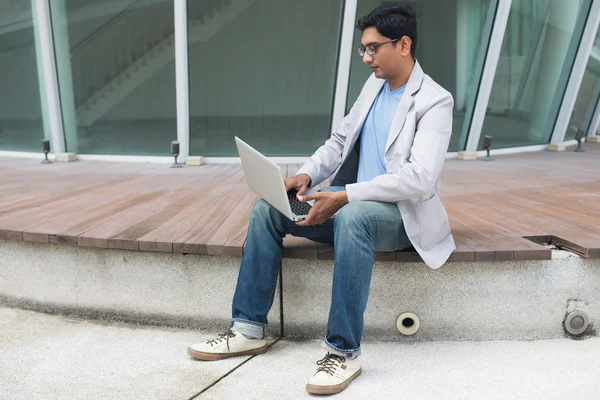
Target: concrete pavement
{"type": "Point", "coordinates": [54, 357]}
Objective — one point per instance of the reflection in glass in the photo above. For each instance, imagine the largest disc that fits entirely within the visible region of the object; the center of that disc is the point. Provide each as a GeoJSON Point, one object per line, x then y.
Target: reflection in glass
{"type": "Point", "coordinates": [263, 70]}
{"type": "Point", "coordinates": [538, 51]}
{"type": "Point", "coordinates": [116, 74]}
{"type": "Point", "coordinates": [21, 120]}
{"type": "Point", "coordinates": [589, 92]}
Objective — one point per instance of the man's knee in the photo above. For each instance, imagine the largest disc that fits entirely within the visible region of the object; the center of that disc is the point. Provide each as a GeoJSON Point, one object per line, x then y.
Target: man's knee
{"type": "Point", "coordinates": [352, 216]}
{"type": "Point", "coordinates": [261, 209]}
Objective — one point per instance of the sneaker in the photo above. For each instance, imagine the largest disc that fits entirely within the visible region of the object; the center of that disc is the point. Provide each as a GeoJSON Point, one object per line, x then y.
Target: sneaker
{"type": "Point", "coordinates": [333, 375]}
{"type": "Point", "coordinates": [228, 344]}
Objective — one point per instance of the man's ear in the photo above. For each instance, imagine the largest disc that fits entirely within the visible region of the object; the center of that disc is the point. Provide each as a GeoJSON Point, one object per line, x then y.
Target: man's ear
{"type": "Point", "coordinates": [405, 44]}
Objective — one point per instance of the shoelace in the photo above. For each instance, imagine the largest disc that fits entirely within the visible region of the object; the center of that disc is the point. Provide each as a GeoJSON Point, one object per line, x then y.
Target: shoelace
{"type": "Point", "coordinates": [222, 336]}
{"type": "Point", "coordinates": [329, 363]}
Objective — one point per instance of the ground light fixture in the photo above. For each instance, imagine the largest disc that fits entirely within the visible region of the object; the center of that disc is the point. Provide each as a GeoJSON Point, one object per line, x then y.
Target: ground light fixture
{"type": "Point", "coordinates": [175, 153]}
{"type": "Point", "coordinates": [487, 145]}
{"type": "Point", "coordinates": [579, 137]}
{"type": "Point", "coordinates": [46, 149]}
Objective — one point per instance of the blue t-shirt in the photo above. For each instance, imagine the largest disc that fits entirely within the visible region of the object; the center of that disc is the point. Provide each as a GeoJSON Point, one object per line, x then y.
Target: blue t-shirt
{"type": "Point", "coordinates": [374, 134]}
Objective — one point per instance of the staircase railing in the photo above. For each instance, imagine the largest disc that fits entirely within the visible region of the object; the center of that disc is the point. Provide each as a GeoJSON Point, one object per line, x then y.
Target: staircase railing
{"type": "Point", "coordinates": [115, 45]}
{"type": "Point", "coordinates": [103, 28]}
{"type": "Point", "coordinates": [126, 38]}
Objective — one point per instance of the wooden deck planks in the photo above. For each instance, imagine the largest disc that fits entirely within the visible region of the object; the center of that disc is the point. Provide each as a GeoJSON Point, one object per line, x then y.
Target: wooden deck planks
{"type": "Point", "coordinates": [206, 210]}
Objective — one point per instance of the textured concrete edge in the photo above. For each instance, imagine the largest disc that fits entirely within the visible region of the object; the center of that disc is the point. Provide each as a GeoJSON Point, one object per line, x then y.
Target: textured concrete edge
{"type": "Point", "coordinates": [379, 334]}
{"type": "Point", "coordinates": [137, 318]}
{"type": "Point", "coordinates": [302, 252]}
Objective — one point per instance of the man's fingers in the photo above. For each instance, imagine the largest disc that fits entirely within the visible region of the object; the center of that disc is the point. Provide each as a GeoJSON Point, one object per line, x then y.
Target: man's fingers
{"type": "Point", "coordinates": [309, 218]}
{"type": "Point", "coordinates": [309, 197]}
{"type": "Point", "coordinates": [306, 222]}
{"type": "Point", "coordinates": [302, 190]}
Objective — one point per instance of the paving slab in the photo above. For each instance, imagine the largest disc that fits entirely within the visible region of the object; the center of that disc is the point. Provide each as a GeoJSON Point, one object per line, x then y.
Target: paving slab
{"type": "Point", "coordinates": [536, 370]}
{"type": "Point", "coordinates": [53, 357]}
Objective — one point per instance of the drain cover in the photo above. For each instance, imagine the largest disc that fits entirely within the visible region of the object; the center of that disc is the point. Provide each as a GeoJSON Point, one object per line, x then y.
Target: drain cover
{"type": "Point", "coordinates": [576, 322]}
{"type": "Point", "coordinates": [408, 324]}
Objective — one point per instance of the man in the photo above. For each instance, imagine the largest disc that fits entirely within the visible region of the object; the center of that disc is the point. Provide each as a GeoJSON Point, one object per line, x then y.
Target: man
{"type": "Point", "coordinates": [385, 160]}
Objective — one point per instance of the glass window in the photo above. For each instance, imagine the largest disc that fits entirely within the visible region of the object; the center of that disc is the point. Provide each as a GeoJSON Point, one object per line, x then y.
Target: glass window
{"type": "Point", "coordinates": [589, 92]}
{"type": "Point", "coordinates": [21, 120]}
{"type": "Point", "coordinates": [263, 70]}
{"type": "Point", "coordinates": [538, 51]}
{"type": "Point", "coordinates": [452, 43]}
{"type": "Point", "coordinates": [116, 74]}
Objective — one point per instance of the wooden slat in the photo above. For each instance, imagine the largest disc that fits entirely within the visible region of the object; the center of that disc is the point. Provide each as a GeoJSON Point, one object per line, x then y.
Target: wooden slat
{"type": "Point", "coordinates": [229, 238]}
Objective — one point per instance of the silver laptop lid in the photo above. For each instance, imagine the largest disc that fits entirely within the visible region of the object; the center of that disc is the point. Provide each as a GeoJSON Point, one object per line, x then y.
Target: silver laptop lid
{"type": "Point", "coordinates": [264, 177]}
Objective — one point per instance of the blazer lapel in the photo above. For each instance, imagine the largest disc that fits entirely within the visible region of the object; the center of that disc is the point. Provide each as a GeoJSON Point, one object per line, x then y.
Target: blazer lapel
{"type": "Point", "coordinates": [412, 87]}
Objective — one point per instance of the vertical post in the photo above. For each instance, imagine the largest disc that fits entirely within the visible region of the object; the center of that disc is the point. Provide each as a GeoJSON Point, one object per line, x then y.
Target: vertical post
{"type": "Point", "coordinates": [48, 78]}
{"type": "Point", "coordinates": [62, 51]}
{"type": "Point", "coordinates": [487, 80]}
{"type": "Point", "coordinates": [345, 57]}
{"type": "Point", "coordinates": [182, 78]}
{"type": "Point", "coordinates": [40, 72]}
{"type": "Point", "coordinates": [576, 77]}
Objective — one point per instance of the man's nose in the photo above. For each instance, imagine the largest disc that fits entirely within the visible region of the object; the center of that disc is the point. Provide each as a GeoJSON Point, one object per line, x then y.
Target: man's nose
{"type": "Point", "coordinates": [367, 58]}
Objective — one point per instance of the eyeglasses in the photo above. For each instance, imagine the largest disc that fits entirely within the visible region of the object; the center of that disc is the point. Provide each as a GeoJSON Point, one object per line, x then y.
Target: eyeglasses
{"type": "Point", "coordinates": [372, 48]}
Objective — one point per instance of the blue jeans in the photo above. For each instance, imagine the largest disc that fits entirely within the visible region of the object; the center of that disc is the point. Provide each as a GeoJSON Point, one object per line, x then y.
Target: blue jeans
{"type": "Point", "coordinates": [357, 231]}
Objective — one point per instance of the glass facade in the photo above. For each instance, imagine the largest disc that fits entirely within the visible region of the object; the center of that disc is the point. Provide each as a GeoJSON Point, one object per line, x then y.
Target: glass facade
{"type": "Point", "coordinates": [266, 71]}
{"type": "Point", "coordinates": [263, 70]}
{"type": "Point", "coordinates": [538, 51]}
{"type": "Point", "coordinates": [116, 72]}
{"type": "Point", "coordinates": [21, 119]}
{"type": "Point", "coordinates": [589, 92]}
{"type": "Point", "coordinates": [450, 50]}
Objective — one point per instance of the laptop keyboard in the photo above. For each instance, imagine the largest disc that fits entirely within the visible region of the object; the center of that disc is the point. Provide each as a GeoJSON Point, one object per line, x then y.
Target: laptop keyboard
{"type": "Point", "coordinates": [298, 207]}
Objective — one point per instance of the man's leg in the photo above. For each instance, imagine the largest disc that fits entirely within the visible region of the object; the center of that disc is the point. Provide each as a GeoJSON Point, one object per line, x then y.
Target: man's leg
{"type": "Point", "coordinates": [259, 269]}
{"type": "Point", "coordinates": [257, 281]}
{"type": "Point", "coordinates": [360, 229]}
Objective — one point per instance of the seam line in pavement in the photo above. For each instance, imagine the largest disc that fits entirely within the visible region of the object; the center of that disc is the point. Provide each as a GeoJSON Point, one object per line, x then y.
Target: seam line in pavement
{"type": "Point", "coordinates": [230, 372]}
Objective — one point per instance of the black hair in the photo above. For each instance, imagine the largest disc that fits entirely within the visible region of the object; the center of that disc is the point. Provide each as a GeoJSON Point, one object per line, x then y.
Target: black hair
{"type": "Point", "coordinates": [392, 21]}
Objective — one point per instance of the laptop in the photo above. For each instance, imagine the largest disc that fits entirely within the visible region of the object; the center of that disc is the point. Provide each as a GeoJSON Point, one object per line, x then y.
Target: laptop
{"type": "Point", "coordinates": [265, 179]}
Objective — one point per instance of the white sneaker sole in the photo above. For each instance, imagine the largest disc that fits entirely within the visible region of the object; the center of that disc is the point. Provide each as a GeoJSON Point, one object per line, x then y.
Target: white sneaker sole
{"type": "Point", "coordinates": [317, 389]}
{"type": "Point", "coordinates": [198, 355]}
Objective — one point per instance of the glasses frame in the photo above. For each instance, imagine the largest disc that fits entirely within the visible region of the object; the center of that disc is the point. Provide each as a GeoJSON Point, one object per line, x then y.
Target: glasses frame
{"type": "Point", "coordinates": [362, 50]}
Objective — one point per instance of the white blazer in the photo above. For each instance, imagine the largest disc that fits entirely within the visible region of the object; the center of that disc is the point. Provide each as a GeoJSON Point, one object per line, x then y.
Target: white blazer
{"type": "Point", "coordinates": [414, 156]}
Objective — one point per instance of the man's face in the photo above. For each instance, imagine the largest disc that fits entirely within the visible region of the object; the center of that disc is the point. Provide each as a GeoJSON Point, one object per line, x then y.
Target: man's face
{"type": "Point", "coordinates": [389, 58]}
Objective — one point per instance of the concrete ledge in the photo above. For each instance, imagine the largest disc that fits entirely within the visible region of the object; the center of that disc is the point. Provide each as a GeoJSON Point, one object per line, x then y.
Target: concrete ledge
{"type": "Point", "coordinates": [569, 144]}
{"type": "Point", "coordinates": [66, 157]}
{"type": "Point", "coordinates": [460, 301]}
{"type": "Point", "coordinates": [152, 288]}
{"type": "Point", "coordinates": [467, 155]}
{"type": "Point", "coordinates": [194, 161]}
{"type": "Point", "coordinates": [593, 139]}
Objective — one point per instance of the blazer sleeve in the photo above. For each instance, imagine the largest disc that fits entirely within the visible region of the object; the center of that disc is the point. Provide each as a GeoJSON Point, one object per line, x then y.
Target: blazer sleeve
{"type": "Point", "coordinates": [419, 174]}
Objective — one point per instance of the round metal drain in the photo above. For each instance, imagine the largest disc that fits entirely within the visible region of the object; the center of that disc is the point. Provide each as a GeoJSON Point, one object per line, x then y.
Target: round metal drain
{"type": "Point", "coordinates": [408, 324]}
{"type": "Point", "coordinates": [576, 322]}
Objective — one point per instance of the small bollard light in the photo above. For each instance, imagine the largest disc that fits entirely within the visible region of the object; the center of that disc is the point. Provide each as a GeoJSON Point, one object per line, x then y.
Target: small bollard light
{"type": "Point", "coordinates": [487, 144]}
{"type": "Point", "coordinates": [175, 153]}
{"type": "Point", "coordinates": [46, 148]}
{"type": "Point", "coordinates": [579, 137]}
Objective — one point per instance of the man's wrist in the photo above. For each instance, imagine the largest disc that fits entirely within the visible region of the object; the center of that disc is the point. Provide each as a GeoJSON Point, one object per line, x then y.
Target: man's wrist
{"type": "Point", "coordinates": [343, 197]}
{"type": "Point", "coordinates": [307, 179]}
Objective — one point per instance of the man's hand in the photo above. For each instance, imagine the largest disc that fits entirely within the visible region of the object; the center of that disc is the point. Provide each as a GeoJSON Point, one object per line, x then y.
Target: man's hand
{"type": "Point", "coordinates": [326, 204]}
{"type": "Point", "coordinates": [300, 183]}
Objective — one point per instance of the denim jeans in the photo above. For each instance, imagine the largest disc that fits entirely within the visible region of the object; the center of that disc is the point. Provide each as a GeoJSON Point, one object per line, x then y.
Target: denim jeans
{"type": "Point", "coordinates": [359, 229]}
